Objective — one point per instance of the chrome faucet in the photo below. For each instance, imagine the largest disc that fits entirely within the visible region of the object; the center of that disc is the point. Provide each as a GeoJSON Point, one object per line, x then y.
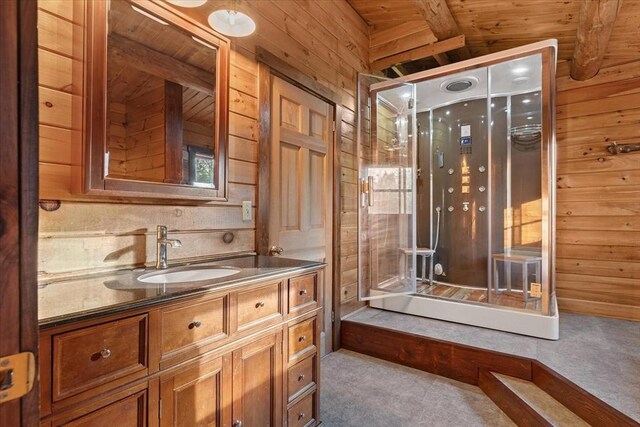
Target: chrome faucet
{"type": "Point", "coordinates": [161, 258]}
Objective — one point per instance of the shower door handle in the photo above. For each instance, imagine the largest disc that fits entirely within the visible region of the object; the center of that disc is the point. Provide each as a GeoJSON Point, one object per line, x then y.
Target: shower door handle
{"type": "Point", "coordinates": [366, 191]}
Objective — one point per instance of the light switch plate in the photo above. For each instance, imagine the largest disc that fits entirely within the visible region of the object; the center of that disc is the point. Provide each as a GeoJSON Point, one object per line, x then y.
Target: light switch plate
{"type": "Point", "coordinates": [246, 210]}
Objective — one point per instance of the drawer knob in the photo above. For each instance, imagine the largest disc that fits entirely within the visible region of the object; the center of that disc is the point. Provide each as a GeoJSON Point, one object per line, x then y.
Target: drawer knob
{"type": "Point", "coordinates": [238, 423]}
{"type": "Point", "coordinates": [195, 324]}
{"type": "Point", "coordinates": [259, 304]}
{"type": "Point", "coordinates": [300, 377]}
{"type": "Point", "coordinates": [303, 292]}
{"type": "Point", "coordinates": [302, 338]}
{"type": "Point", "coordinates": [105, 353]}
{"type": "Point", "coordinates": [300, 415]}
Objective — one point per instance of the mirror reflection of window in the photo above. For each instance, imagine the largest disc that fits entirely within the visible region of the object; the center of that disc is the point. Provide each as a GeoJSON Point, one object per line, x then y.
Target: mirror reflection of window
{"type": "Point", "coordinates": [198, 166]}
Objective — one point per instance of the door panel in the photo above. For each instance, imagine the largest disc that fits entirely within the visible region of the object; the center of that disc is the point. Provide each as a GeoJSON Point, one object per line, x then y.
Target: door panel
{"type": "Point", "coordinates": [198, 396]}
{"type": "Point", "coordinates": [386, 212]}
{"type": "Point", "coordinates": [301, 185]}
{"type": "Point", "coordinates": [257, 383]}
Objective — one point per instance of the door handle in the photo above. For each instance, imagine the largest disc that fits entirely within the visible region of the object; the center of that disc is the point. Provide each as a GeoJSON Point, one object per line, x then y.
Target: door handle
{"type": "Point", "coordinates": [370, 190]}
{"type": "Point", "coordinates": [275, 250]}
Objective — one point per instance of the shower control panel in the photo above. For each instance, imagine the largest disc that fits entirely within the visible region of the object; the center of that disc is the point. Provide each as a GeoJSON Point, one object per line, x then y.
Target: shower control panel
{"type": "Point", "coordinates": [465, 139]}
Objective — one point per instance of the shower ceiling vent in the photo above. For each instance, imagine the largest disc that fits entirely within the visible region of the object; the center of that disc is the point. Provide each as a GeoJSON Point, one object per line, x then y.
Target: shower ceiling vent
{"type": "Point", "coordinates": [459, 84]}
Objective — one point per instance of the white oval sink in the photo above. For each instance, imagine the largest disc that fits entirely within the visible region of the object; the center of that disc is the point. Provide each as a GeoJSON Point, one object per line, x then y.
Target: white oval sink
{"type": "Point", "coordinates": [183, 276]}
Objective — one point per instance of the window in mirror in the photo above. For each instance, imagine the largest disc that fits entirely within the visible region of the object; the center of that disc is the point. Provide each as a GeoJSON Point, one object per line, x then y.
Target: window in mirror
{"type": "Point", "coordinates": [165, 98]}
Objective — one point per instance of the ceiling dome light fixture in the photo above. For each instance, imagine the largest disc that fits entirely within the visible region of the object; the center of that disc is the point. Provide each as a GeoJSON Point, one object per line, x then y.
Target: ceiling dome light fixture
{"type": "Point", "coordinates": [187, 3]}
{"type": "Point", "coordinates": [232, 23]}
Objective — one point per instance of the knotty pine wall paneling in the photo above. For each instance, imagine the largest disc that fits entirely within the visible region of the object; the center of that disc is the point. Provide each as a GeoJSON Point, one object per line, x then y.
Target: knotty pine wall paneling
{"type": "Point", "coordinates": [598, 194]}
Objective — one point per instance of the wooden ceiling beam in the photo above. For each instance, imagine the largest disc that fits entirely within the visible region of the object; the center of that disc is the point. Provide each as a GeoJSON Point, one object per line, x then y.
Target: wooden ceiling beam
{"type": "Point", "coordinates": [164, 66]}
{"type": "Point", "coordinates": [420, 52]}
{"type": "Point", "coordinates": [441, 22]}
{"type": "Point", "coordinates": [595, 25]}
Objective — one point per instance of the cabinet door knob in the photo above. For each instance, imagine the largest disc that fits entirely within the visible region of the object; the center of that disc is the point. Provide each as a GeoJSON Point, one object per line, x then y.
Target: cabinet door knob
{"type": "Point", "coordinates": [238, 423]}
{"type": "Point", "coordinates": [259, 304]}
{"type": "Point", "coordinates": [300, 415]}
{"type": "Point", "coordinates": [300, 377]}
{"type": "Point", "coordinates": [302, 338]}
{"type": "Point", "coordinates": [105, 353]}
{"type": "Point", "coordinates": [195, 324]}
{"type": "Point", "coordinates": [303, 292]}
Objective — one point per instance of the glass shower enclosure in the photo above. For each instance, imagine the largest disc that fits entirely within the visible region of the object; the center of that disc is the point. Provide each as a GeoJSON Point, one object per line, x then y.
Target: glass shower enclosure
{"type": "Point", "coordinates": [456, 192]}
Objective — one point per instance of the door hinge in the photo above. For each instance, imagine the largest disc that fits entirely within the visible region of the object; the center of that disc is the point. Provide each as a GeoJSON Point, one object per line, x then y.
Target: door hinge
{"type": "Point", "coordinates": [333, 316]}
{"type": "Point", "coordinates": [334, 125]}
{"type": "Point", "coordinates": [17, 374]}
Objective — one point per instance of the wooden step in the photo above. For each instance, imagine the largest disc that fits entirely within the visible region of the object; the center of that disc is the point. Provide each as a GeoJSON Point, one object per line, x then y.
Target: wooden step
{"type": "Point", "coordinates": [526, 403]}
{"type": "Point", "coordinates": [475, 366]}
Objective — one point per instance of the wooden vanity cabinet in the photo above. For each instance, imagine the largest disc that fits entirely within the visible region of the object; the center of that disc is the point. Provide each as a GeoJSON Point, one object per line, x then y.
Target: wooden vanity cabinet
{"type": "Point", "coordinates": [223, 358]}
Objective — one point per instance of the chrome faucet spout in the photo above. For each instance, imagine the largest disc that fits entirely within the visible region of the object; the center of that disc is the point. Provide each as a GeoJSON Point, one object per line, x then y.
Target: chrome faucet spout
{"type": "Point", "coordinates": [162, 242]}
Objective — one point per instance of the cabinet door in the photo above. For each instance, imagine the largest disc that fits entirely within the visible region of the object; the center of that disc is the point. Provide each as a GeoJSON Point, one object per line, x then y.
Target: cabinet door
{"type": "Point", "coordinates": [257, 383]}
{"type": "Point", "coordinates": [199, 395]}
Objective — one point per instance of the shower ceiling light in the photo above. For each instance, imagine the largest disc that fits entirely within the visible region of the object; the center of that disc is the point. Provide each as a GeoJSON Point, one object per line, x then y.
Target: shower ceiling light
{"type": "Point", "coordinates": [187, 3]}
{"type": "Point", "coordinates": [232, 23]}
{"type": "Point", "coordinates": [520, 70]}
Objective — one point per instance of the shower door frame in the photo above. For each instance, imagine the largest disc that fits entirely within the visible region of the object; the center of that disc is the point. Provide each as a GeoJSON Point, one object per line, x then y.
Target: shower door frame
{"type": "Point", "coordinates": [548, 51]}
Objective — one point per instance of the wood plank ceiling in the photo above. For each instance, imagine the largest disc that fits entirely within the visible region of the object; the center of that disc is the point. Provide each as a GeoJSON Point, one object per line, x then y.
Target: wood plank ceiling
{"type": "Point", "coordinates": [492, 26]}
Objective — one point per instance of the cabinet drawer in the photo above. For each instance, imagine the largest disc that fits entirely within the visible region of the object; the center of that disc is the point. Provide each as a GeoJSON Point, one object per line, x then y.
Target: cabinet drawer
{"type": "Point", "coordinates": [303, 293]}
{"type": "Point", "coordinates": [88, 357]}
{"type": "Point", "coordinates": [190, 323]}
{"type": "Point", "coordinates": [130, 411]}
{"type": "Point", "coordinates": [303, 413]}
{"type": "Point", "coordinates": [259, 305]}
{"type": "Point", "coordinates": [302, 338]}
{"type": "Point", "coordinates": [301, 377]}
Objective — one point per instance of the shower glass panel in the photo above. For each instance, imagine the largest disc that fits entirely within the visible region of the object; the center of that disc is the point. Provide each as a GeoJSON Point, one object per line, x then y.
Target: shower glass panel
{"type": "Point", "coordinates": [480, 185]}
{"type": "Point", "coordinates": [516, 188]}
{"type": "Point", "coordinates": [386, 211]}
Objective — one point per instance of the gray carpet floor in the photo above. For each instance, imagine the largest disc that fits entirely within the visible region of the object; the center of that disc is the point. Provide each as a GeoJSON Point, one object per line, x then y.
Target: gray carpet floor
{"type": "Point", "coordinates": [361, 391]}
{"type": "Point", "coordinates": [599, 354]}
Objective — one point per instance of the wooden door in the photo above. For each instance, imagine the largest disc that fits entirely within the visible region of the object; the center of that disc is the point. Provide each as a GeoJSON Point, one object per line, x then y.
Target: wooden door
{"type": "Point", "coordinates": [257, 383]}
{"type": "Point", "coordinates": [18, 203]}
{"type": "Point", "coordinates": [301, 181]}
{"type": "Point", "coordinates": [199, 395]}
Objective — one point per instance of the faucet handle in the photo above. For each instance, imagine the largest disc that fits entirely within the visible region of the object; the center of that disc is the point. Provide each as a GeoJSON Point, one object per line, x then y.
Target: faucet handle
{"type": "Point", "coordinates": [175, 243]}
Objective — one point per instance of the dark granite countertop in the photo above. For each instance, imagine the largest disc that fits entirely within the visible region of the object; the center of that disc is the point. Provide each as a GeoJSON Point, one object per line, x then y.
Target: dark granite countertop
{"type": "Point", "coordinates": [96, 295]}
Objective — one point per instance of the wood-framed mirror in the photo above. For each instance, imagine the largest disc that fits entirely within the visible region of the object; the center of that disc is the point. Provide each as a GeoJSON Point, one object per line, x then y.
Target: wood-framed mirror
{"type": "Point", "coordinates": [156, 112]}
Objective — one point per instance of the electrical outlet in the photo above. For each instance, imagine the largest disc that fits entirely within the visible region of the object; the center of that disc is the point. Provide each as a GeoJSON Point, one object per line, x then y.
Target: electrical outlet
{"type": "Point", "coordinates": [246, 210]}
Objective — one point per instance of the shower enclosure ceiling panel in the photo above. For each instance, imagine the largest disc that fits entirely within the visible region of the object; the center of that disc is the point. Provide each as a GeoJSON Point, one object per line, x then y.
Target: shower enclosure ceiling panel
{"type": "Point", "coordinates": [457, 168]}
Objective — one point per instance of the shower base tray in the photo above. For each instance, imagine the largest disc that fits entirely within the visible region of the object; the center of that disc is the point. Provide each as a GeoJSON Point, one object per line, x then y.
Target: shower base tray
{"type": "Point", "coordinates": [486, 316]}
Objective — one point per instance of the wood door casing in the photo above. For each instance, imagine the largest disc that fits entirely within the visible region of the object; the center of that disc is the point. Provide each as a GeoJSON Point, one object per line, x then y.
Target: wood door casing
{"type": "Point", "coordinates": [199, 395]}
{"type": "Point", "coordinates": [257, 382]}
{"type": "Point", "coordinates": [19, 195]}
{"type": "Point", "coordinates": [301, 181]}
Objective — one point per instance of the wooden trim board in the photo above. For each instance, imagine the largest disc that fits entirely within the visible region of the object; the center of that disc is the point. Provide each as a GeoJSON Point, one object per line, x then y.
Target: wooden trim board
{"type": "Point", "coordinates": [510, 403]}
